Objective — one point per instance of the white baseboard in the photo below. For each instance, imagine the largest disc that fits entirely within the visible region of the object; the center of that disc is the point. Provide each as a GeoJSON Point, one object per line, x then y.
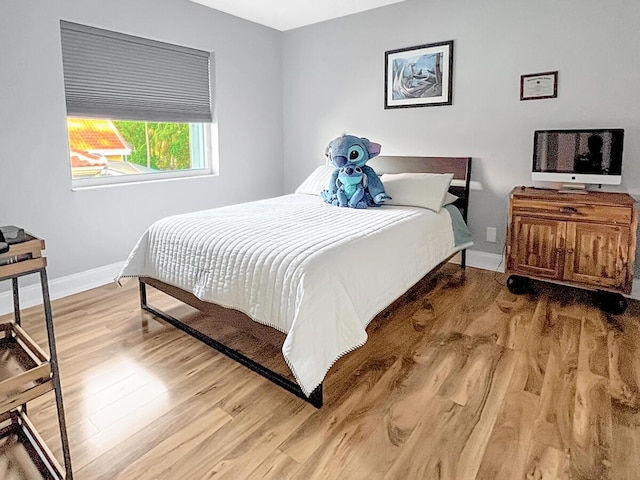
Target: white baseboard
{"type": "Point", "coordinates": [31, 295]}
{"type": "Point", "coordinates": [485, 261]}
{"type": "Point", "coordinates": [61, 287]}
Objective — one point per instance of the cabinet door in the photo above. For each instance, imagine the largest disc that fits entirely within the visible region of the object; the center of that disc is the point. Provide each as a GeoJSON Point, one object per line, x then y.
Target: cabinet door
{"type": "Point", "coordinates": [536, 247]}
{"type": "Point", "coordinates": [597, 254]}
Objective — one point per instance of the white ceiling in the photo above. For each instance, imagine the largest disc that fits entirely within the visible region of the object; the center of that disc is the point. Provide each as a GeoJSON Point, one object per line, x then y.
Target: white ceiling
{"type": "Point", "coordinates": [287, 14]}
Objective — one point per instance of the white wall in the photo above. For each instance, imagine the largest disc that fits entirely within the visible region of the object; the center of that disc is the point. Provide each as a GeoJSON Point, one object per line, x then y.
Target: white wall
{"type": "Point", "coordinates": [334, 81]}
{"type": "Point", "coordinates": [88, 229]}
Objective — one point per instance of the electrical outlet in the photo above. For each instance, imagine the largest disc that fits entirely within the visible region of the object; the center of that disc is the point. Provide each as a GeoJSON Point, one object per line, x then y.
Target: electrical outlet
{"type": "Point", "coordinates": [491, 234]}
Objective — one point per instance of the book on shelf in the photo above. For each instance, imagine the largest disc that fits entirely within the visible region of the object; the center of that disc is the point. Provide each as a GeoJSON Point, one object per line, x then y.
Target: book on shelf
{"type": "Point", "coordinates": [14, 259]}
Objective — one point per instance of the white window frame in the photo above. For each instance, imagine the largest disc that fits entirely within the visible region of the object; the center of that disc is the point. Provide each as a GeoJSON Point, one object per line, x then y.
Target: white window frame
{"type": "Point", "coordinates": [210, 169]}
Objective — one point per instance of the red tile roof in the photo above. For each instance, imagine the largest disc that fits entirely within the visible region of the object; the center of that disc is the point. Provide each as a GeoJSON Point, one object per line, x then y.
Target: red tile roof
{"type": "Point", "coordinates": [86, 159]}
{"type": "Point", "coordinates": [96, 135]}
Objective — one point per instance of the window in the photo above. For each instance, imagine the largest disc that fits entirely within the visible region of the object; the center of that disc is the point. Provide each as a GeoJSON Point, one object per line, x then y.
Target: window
{"type": "Point", "coordinates": [137, 109]}
{"type": "Point", "coordinates": [101, 147]}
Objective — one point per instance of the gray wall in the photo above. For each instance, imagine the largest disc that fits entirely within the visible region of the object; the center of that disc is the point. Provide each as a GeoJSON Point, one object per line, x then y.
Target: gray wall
{"type": "Point", "coordinates": [93, 228]}
{"type": "Point", "coordinates": [314, 83]}
{"type": "Point", "coordinates": [334, 81]}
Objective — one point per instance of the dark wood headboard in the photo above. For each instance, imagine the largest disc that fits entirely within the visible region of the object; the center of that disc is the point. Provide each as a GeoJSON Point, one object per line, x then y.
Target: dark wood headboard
{"type": "Point", "coordinates": [459, 166]}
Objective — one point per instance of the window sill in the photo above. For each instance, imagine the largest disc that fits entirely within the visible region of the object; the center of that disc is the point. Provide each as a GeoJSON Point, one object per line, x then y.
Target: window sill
{"type": "Point", "coordinates": [105, 182]}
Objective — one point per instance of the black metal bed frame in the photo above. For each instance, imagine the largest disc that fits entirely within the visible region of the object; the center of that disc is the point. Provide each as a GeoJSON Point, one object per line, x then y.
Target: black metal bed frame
{"type": "Point", "coordinates": [314, 399]}
{"type": "Point", "coordinates": [387, 165]}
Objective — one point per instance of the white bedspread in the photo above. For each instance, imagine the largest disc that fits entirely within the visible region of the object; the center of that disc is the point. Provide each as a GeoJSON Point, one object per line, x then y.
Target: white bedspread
{"type": "Point", "coordinates": [316, 272]}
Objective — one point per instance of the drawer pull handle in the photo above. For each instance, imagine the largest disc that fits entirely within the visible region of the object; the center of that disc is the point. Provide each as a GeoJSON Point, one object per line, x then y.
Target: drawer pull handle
{"type": "Point", "coordinates": [568, 210]}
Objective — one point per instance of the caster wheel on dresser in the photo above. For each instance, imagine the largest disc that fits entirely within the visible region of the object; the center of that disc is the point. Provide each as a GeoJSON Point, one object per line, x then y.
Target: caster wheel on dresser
{"type": "Point", "coordinates": [610, 302]}
{"type": "Point", "coordinates": [518, 285]}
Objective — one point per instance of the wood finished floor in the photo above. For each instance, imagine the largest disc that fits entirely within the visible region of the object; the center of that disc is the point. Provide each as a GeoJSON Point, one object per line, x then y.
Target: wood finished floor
{"type": "Point", "coordinates": [459, 380]}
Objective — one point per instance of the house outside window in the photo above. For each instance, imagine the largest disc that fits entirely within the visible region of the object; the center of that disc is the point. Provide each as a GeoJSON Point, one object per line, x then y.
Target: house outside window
{"type": "Point", "coordinates": [138, 109]}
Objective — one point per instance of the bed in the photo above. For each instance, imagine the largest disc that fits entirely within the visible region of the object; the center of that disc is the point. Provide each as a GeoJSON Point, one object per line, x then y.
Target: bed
{"type": "Point", "coordinates": [306, 275]}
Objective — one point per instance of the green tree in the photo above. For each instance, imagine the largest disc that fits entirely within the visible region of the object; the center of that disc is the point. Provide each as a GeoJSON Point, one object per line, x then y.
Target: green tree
{"type": "Point", "coordinates": [168, 143]}
{"type": "Point", "coordinates": [133, 133]}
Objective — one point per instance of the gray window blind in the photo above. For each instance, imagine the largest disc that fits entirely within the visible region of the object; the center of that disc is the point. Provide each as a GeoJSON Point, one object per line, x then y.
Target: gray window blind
{"type": "Point", "coordinates": [113, 75]}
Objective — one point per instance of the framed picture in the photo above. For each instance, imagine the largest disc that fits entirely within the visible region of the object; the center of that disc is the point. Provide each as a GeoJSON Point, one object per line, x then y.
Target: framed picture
{"type": "Point", "coordinates": [419, 76]}
{"type": "Point", "coordinates": [535, 86]}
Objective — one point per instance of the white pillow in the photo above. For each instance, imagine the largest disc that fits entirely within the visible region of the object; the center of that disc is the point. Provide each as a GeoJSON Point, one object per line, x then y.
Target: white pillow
{"type": "Point", "coordinates": [426, 190]}
{"type": "Point", "coordinates": [449, 198]}
{"type": "Point", "coordinates": [317, 181]}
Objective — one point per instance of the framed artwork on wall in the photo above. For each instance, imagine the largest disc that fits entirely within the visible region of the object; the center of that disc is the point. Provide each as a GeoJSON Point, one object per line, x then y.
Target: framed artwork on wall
{"type": "Point", "coordinates": [535, 86]}
{"type": "Point", "coordinates": [420, 76]}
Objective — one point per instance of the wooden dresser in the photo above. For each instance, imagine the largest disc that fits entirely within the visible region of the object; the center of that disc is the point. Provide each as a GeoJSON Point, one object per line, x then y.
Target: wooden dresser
{"type": "Point", "coordinates": [584, 240]}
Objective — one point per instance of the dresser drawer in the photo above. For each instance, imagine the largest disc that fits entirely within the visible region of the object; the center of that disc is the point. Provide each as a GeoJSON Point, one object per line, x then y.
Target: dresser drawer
{"type": "Point", "coordinates": [619, 215]}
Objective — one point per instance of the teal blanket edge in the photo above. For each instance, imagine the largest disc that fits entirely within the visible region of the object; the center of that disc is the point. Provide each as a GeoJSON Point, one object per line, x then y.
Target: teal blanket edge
{"type": "Point", "coordinates": [461, 232]}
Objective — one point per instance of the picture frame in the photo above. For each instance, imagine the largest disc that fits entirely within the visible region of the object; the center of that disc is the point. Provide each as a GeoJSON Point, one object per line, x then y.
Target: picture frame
{"type": "Point", "coordinates": [536, 86]}
{"type": "Point", "coordinates": [420, 76]}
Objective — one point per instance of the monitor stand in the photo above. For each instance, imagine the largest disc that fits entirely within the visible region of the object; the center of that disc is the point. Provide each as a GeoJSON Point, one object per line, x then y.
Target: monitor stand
{"type": "Point", "coordinates": [575, 188]}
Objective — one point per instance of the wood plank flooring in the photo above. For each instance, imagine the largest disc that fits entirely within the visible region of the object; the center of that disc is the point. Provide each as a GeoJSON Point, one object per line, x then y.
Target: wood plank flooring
{"type": "Point", "coordinates": [460, 379]}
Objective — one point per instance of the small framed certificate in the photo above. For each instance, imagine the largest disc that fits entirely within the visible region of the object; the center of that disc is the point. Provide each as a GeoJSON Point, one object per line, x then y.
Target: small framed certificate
{"type": "Point", "coordinates": [535, 86]}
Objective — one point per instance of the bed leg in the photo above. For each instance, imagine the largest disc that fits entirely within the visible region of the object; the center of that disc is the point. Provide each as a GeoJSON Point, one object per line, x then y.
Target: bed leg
{"type": "Point", "coordinates": [143, 294]}
{"type": "Point", "coordinates": [315, 398]}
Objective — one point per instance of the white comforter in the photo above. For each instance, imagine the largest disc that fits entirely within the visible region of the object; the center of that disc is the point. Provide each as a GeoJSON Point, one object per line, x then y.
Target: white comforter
{"type": "Point", "coordinates": [316, 272]}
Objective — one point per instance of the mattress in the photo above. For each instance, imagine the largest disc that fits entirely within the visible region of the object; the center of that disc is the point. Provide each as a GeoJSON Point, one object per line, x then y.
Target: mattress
{"type": "Point", "coordinates": [316, 272]}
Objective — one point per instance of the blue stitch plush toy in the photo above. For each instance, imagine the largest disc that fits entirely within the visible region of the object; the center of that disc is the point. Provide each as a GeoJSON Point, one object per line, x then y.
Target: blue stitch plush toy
{"type": "Point", "coordinates": [350, 191]}
{"type": "Point", "coordinates": [352, 151]}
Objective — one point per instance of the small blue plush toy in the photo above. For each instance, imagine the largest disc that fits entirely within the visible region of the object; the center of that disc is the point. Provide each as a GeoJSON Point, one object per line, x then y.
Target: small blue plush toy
{"type": "Point", "coordinates": [349, 150]}
{"type": "Point", "coordinates": [351, 186]}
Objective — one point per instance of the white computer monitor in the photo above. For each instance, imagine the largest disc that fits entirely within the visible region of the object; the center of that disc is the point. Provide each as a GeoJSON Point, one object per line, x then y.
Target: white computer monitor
{"type": "Point", "coordinates": [578, 158]}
